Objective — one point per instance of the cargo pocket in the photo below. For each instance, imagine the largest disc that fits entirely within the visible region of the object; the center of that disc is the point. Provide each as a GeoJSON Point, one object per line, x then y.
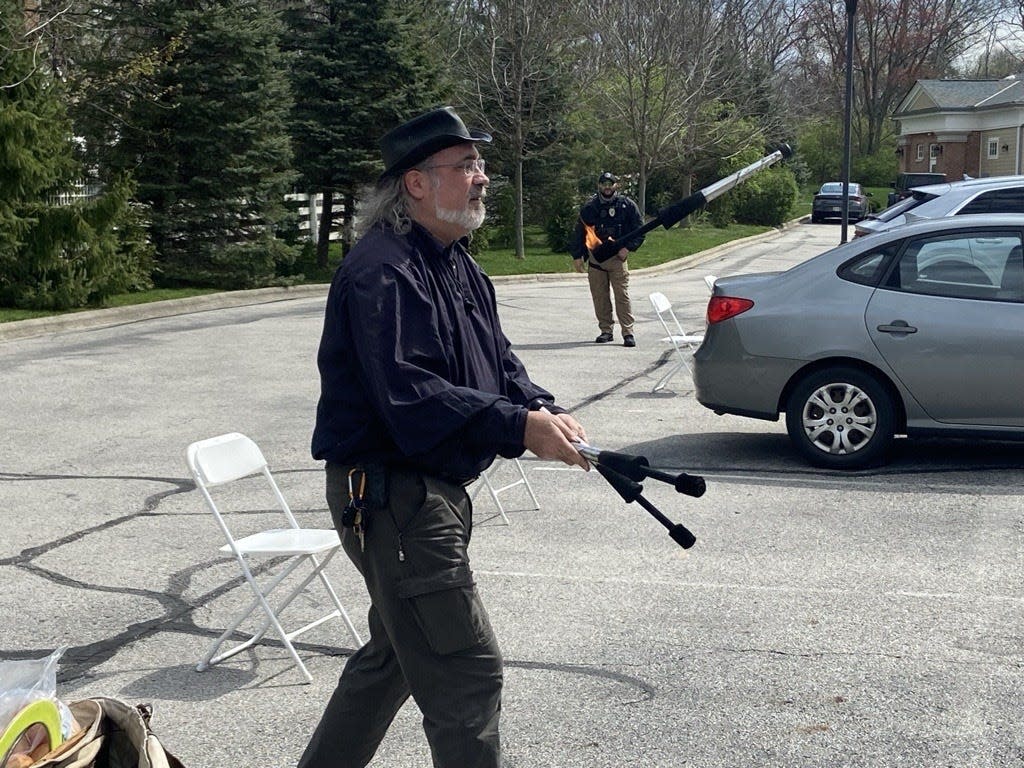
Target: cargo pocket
{"type": "Point", "coordinates": [447, 609]}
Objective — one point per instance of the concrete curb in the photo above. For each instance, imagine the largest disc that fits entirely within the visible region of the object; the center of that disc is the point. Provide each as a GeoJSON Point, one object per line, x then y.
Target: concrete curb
{"type": "Point", "coordinates": [103, 318]}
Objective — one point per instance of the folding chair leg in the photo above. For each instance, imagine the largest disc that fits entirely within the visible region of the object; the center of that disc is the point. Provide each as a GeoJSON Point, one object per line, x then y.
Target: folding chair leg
{"type": "Point", "coordinates": [340, 610]}
{"type": "Point", "coordinates": [272, 620]}
{"type": "Point", "coordinates": [259, 600]}
{"type": "Point", "coordinates": [210, 660]}
{"type": "Point", "coordinates": [526, 482]}
{"type": "Point", "coordinates": [485, 482]}
{"type": "Point", "coordinates": [663, 381]}
{"type": "Point", "coordinates": [494, 495]}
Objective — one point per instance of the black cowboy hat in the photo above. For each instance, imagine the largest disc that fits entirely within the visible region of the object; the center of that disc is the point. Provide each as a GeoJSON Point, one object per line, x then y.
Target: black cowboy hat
{"type": "Point", "coordinates": [403, 147]}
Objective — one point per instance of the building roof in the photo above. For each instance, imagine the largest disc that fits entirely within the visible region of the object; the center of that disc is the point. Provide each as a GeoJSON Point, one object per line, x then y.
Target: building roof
{"type": "Point", "coordinates": [946, 95]}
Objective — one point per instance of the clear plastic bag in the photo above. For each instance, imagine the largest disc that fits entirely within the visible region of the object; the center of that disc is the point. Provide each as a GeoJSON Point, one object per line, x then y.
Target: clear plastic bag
{"type": "Point", "coordinates": [23, 685]}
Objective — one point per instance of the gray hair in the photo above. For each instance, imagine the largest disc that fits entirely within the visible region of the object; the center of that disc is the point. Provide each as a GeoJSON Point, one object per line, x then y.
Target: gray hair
{"type": "Point", "coordinates": [386, 203]}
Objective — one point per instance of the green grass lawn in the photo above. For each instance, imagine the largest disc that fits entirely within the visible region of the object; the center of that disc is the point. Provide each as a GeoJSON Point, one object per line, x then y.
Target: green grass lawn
{"type": "Point", "coordinates": [660, 246]}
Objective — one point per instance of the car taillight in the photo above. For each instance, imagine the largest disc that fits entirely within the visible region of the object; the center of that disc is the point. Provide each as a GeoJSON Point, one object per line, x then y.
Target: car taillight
{"type": "Point", "coordinates": [723, 307]}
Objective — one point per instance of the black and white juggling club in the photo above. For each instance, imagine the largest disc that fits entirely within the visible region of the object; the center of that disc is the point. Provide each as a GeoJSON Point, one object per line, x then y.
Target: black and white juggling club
{"type": "Point", "coordinates": [672, 214]}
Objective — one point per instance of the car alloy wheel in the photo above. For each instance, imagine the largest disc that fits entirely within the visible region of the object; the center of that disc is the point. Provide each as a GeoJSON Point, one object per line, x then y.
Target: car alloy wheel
{"type": "Point", "coordinates": [841, 418]}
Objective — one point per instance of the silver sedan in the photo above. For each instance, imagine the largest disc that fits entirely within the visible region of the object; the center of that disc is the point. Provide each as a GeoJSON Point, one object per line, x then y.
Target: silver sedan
{"type": "Point", "coordinates": [999, 194]}
{"type": "Point", "coordinates": [918, 330]}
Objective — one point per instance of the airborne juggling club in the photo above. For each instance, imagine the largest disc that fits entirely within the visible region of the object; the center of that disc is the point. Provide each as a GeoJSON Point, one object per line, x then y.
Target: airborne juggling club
{"type": "Point", "coordinates": [679, 210]}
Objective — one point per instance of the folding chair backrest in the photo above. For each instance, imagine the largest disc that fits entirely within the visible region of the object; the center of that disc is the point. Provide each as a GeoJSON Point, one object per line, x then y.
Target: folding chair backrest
{"type": "Point", "coordinates": [660, 302]}
{"type": "Point", "coordinates": [664, 307]}
{"type": "Point", "coordinates": [224, 458]}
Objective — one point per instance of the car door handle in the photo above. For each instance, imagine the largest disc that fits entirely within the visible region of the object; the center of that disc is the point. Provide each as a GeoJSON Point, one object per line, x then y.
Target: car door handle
{"type": "Point", "coordinates": [897, 327]}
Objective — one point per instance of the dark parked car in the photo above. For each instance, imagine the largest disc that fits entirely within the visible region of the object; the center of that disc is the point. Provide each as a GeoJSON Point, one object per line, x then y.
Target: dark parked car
{"type": "Point", "coordinates": [828, 203]}
{"type": "Point", "coordinates": [918, 330]}
{"type": "Point", "coordinates": [907, 181]}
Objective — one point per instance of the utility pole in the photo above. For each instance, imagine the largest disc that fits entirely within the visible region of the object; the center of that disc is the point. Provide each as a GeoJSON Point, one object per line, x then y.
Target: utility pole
{"type": "Point", "coordinates": [851, 12]}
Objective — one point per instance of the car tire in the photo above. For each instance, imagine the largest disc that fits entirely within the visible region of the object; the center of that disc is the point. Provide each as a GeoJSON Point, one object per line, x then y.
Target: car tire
{"type": "Point", "coordinates": [825, 434]}
{"type": "Point", "coordinates": [814, 218]}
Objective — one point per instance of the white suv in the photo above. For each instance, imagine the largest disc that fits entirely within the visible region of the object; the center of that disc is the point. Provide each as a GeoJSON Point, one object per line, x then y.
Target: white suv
{"type": "Point", "coordinates": [998, 194]}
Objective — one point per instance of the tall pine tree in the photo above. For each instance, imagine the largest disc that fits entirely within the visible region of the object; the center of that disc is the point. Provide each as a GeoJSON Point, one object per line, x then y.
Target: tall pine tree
{"type": "Point", "coordinates": [201, 96]}
{"type": "Point", "coordinates": [358, 68]}
{"type": "Point", "coordinates": [53, 256]}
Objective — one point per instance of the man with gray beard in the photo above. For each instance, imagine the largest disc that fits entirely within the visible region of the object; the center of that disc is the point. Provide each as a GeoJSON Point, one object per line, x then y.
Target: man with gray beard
{"type": "Point", "coordinates": [420, 391]}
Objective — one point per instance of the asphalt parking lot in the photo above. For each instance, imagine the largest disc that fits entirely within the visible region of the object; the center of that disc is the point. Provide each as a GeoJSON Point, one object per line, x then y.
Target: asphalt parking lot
{"type": "Point", "coordinates": [872, 619]}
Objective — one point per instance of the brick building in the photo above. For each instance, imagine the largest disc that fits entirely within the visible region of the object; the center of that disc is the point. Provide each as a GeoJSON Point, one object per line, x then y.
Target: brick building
{"type": "Point", "coordinates": [959, 127]}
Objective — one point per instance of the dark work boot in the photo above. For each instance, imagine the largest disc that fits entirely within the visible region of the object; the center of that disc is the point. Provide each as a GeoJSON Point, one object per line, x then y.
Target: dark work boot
{"type": "Point", "coordinates": [604, 338]}
{"type": "Point", "coordinates": [628, 341]}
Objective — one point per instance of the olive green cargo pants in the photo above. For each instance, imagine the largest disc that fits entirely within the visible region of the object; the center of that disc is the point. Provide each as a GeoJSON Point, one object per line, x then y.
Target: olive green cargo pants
{"type": "Point", "coordinates": [607, 280]}
{"type": "Point", "coordinates": [429, 633]}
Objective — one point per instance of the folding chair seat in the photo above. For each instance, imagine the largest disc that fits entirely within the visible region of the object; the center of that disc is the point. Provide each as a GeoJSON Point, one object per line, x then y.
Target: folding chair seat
{"type": "Point", "coordinates": [487, 482]}
{"type": "Point", "coordinates": [684, 343]}
{"type": "Point", "coordinates": [224, 459]}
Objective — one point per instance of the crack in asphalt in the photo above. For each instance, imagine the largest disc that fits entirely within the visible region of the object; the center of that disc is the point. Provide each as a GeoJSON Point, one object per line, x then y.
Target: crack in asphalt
{"type": "Point", "coordinates": [79, 661]}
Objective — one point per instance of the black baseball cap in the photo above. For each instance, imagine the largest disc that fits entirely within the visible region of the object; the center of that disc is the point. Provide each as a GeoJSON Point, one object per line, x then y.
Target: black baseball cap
{"type": "Point", "coordinates": [608, 177]}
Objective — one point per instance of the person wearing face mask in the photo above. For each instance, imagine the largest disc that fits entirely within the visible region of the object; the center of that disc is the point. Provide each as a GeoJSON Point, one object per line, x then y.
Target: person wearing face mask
{"type": "Point", "coordinates": [605, 217]}
{"type": "Point", "coordinates": [420, 391]}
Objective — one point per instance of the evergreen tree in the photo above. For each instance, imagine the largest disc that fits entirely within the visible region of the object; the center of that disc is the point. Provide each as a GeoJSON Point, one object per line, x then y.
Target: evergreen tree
{"type": "Point", "coordinates": [201, 96]}
{"type": "Point", "coordinates": [53, 256]}
{"type": "Point", "coordinates": [358, 69]}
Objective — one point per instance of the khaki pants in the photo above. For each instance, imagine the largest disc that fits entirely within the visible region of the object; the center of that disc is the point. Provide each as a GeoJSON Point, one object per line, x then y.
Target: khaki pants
{"type": "Point", "coordinates": [429, 634]}
{"type": "Point", "coordinates": [609, 278]}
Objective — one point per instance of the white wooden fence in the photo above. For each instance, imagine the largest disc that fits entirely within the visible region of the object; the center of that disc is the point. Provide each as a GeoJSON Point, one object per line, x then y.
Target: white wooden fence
{"type": "Point", "coordinates": [310, 209]}
{"type": "Point", "coordinates": [80, 190]}
{"type": "Point", "coordinates": [309, 213]}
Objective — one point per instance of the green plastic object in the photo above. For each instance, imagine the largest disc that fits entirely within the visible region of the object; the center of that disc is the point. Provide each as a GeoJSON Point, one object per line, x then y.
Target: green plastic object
{"type": "Point", "coordinates": [43, 712]}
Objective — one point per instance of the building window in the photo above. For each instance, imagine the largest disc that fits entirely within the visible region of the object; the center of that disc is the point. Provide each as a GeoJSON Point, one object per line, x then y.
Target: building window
{"type": "Point", "coordinates": [920, 151]}
{"type": "Point", "coordinates": [993, 148]}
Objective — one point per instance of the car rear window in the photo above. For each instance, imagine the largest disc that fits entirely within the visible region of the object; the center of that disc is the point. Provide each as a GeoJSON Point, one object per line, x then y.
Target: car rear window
{"type": "Point", "coordinates": [867, 268]}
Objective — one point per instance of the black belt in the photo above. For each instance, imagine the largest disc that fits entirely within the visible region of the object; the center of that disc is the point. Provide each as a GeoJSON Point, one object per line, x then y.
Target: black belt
{"type": "Point", "coordinates": [376, 476]}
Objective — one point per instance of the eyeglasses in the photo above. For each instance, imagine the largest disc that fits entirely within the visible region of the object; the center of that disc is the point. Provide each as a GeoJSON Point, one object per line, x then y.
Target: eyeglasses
{"type": "Point", "coordinates": [468, 167]}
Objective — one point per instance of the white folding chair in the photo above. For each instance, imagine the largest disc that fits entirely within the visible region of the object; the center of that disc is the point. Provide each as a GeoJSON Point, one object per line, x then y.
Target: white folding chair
{"type": "Point", "coordinates": [486, 482]}
{"type": "Point", "coordinates": [709, 281]}
{"type": "Point", "coordinates": [684, 343]}
{"type": "Point", "coordinates": [226, 458]}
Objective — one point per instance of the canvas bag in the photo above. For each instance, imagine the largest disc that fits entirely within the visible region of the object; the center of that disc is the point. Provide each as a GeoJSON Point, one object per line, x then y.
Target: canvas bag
{"type": "Point", "coordinates": [114, 735]}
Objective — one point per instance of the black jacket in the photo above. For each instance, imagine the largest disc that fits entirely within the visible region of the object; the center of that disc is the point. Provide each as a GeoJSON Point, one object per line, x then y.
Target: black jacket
{"type": "Point", "coordinates": [414, 368]}
{"type": "Point", "coordinates": [610, 220]}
